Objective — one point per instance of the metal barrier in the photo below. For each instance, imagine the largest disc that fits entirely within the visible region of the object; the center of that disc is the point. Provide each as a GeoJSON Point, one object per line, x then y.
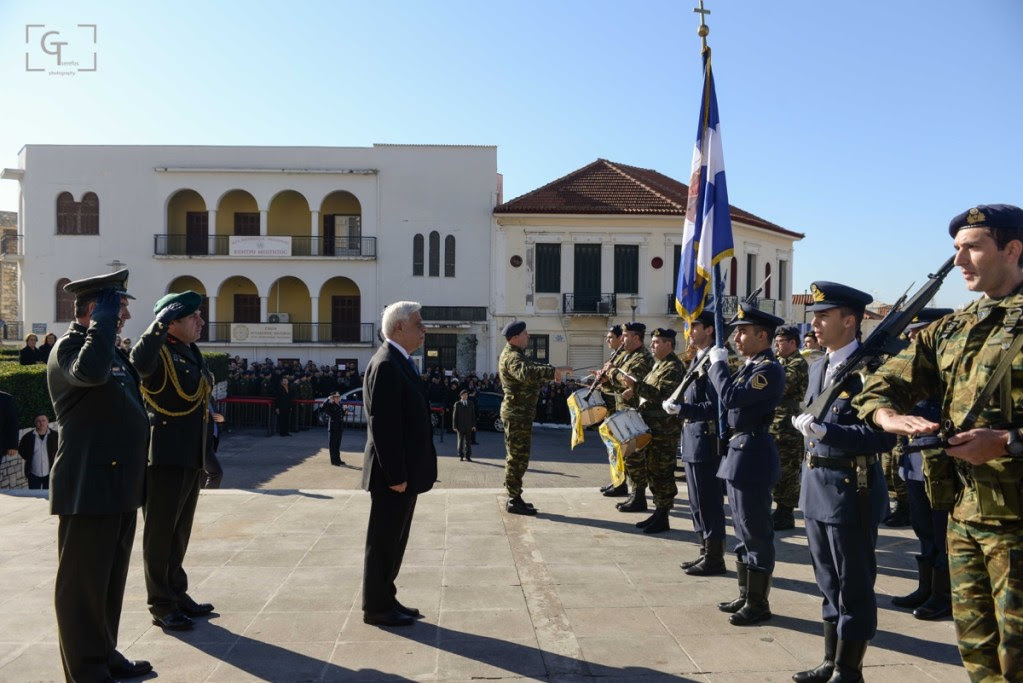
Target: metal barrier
{"type": "Point", "coordinates": [242, 412]}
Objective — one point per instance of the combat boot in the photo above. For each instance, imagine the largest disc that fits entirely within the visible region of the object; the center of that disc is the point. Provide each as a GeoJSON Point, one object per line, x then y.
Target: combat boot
{"type": "Point", "coordinates": [517, 506]}
{"type": "Point", "coordinates": [757, 608]}
{"type": "Point", "coordinates": [849, 661]}
{"type": "Point", "coordinates": [824, 670]}
{"type": "Point", "coordinates": [923, 588]}
{"type": "Point", "coordinates": [783, 518]}
{"type": "Point", "coordinates": [656, 523]}
{"type": "Point", "coordinates": [636, 502]}
{"type": "Point", "coordinates": [939, 604]}
{"type": "Point", "coordinates": [703, 552]}
{"type": "Point", "coordinates": [612, 491]}
{"type": "Point", "coordinates": [713, 563]}
{"type": "Point", "coordinates": [742, 577]}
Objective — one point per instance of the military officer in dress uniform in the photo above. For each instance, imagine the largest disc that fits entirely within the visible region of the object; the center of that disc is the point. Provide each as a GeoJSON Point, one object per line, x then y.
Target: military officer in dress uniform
{"type": "Point", "coordinates": [659, 454]}
{"type": "Point", "coordinates": [635, 361]}
{"type": "Point", "coordinates": [520, 378]}
{"type": "Point", "coordinates": [613, 339]}
{"type": "Point", "coordinates": [842, 491]}
{"type": "Point", "coordinates": [98, 478]}
{"type": "Point", "coordinates": [701, 453]}
{"type": "Point", "coordinates": [788, 440]}
{"type": "Point", "coordinates": [750, 468]}
{"type": "Point", "coordinates": [177, 385]}
{"type": "Point", "coordinates": [959, 359]}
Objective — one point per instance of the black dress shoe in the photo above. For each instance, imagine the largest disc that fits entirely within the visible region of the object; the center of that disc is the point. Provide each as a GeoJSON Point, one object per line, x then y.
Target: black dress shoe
{"type": "Point", "coordinates": [409, 611]}
{"type": "Point", "coordinates": [175, 621]}
{"type": "Point", "coordinates": [517, 506]}
{"type": "Point", "coordinates": [392, 618]}
{"type": "Point", "coordinates": [131, 669]}
{"type": "Point", "coordinates": [191, 608]}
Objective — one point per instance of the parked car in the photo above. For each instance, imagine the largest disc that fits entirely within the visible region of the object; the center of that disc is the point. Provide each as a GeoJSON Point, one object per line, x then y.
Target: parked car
{"type": "Point", "coordinates": [488, 411]}
{"type": "Point", "coordinates": [351, 400]}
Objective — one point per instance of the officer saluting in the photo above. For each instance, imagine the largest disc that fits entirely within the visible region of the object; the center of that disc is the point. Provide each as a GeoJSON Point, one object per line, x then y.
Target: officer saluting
{"type": "Point", "coordinates": [98, 478]}
{"type": "Point", "coordinates": [842, 491]}
{"type": "Point", "coordinates": [972, 361]}
{"type": "Point", "coordinates": [750, 467]}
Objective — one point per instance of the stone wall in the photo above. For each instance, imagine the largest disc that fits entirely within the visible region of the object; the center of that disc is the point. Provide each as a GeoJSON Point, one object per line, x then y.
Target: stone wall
{"type": "Point", "coordinates": [12, 472]}
{"type": "Point", "coordinates": [8, 271]}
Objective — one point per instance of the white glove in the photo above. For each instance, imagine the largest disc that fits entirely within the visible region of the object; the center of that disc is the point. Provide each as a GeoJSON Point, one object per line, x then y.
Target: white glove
{"type": "Point", "coordinates": [671, 407]}
{"type": "Point", "coordinates": [807, 427]}
{"type": "Point", "coordinates": [718, 354]}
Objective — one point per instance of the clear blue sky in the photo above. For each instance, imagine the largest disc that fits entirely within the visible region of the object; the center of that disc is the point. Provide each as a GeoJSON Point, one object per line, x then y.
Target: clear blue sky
{"type": "Point", "coordinates": [865, 125]}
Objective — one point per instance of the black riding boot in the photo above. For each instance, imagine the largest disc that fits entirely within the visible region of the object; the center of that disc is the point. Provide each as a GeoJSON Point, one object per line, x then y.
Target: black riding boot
{"type": "Point", "coordinates": [923, 588]}
{"type": "Point", "coordinates": [824, 670]}
{"type": "Point", "coordinates": [703, 551]}
{"type": "Point", "coordinates": [713, 563]}
{"type": "Point", "coordinates": [939, 605]}
{"type": "Point", "coordinates": [757, 608]}
{"type": "Point", "coordinates": [849, 661]}
{"type": "Point", "coordinates": [741, 575]}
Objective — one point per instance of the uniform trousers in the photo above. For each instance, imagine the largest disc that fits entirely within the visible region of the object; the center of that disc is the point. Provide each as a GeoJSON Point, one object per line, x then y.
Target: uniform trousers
{"type": "Point", "coordinates": [334, 445]}
{"type": "Point", "coordinates": [518, 440]}
{"type": "Point", "coordinates": [390, 519]}
{"type": "Point", "coordinates": [171, 496]}
{"type": "Point", "coordinates": [845, 568]}
{"type": "Point", "coordinates": [705, 499]}
{"type": "Point", "coordinates": [751, 520]}
{"type": "Point", "coordinates": [986, 566]}
{"type": "Point", "coordinates": [929, 525]}
{"type": "Point", "coordinates": [92, 566]}
{"type": "Point", "coordinates": [464, 444]}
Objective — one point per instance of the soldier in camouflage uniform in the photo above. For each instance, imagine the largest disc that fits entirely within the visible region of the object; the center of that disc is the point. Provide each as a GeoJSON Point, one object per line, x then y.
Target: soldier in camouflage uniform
{"type": "Point", "coordinates": [637, 362]}
{"type": "Point", "coordinates": [659, 454]}
{"type": "Point", "coordinates": [899, 516]}
{"type": "Point", "coordinates": [786, 437]}
{"type": "Point", "coordinates": [521, 378]}
{"type": "Point", "coordinates": [953, 360]}
{"type": "Point", "coordinates": [614, 342]}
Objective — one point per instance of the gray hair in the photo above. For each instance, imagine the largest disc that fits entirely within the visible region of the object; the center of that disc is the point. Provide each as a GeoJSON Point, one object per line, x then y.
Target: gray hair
{"type": "Point", "coordinates": [398, 312]}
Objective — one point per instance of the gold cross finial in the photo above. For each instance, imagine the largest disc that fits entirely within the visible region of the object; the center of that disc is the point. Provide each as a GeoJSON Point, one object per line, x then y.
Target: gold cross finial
{"type": "Point", "coordinates": [704, 29]}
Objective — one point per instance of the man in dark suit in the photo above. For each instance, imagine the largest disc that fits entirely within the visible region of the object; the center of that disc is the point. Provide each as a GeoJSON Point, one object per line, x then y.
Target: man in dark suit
{"type": "Point", "coordinates": [176, 385]}
{"type": "Point", "coordinates": [400, 460]}
{"type": "Point", "coordinates": [98, 479]}
{"type": "Point", "coordinates": [463, 417]}
{"type": "Point", "coordinates": [39, 448]}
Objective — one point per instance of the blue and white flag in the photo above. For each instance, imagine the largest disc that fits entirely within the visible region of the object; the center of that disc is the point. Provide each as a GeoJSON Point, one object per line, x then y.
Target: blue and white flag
{"type": "Point", "coordinates": [707, 235]}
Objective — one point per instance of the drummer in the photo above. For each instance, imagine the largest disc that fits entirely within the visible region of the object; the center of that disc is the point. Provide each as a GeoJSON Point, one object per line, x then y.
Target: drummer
{"type": "Point", "coordinates": [635, 361]}
{"type": "Point", "coordinates": [614, 343]}
{"type": "Point", "coordinates": [653, 390]}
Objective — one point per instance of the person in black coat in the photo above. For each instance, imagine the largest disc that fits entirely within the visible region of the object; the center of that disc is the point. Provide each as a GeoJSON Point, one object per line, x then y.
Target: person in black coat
{"type": "Point", "coordinates": [335, 427]}
{"type": "Point", "coordinates": [29, 354]}
{"type": "Point", "coordinates": [37, 470]}
{"type": "Point", "coordinates": [43, 352]}
{"type": "Point", "coordinates": [282, 407]}
{"type": "Point", "coordinates": [400, 460]}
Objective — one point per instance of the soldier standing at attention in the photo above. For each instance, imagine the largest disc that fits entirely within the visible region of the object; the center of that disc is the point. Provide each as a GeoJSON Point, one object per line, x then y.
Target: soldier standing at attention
{"type": "Point", "coordinates": [842, 492]}
{"type": "Point", "coordinates": [177, 385]}
{"type": "Point", "coordinates": [972, 361]}
{"type": "Point", "coordinates": [637, 362]}
{"type": "Point", "coordinates": [98, 478]}
{"type": "Point", "coordinates": [521, 377]}
{"type": "Point", "coordinates": [614, 342]}
{"type": "Point", "coordinates": [788, 440]}
{"type": "Point", "coordinates": [659, 454]}
{"type": "Point", "coordinates": [750, 468]}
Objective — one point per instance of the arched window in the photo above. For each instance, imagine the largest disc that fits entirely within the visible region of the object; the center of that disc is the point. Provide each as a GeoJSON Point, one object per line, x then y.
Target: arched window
{"type": "Point", "coordinates": [88, 214]}
{"type": "Point", "coordinates": [417, 255]}
{"type": "Point", "coordinates": [733, 277]}
{"type": "Point", "coordinates": [449, 256]}
{"type": "Point", "coordinates": [767, 275]}
{"type": "Point", "coordinates": [67, 214]}
{"type": "Point", "coordinates": [64, 303]}
{"type": "Point", "coordinates": [77, 218]}
{"type": "Point", "coordinates": [434, 254]}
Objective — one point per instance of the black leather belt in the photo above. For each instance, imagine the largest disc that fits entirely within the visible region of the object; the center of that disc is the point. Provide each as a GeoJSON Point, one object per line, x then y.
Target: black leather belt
{"type": "Point", "coordinates": [835, 463]}
{"type": "Point", "coordinates": [759, 431]}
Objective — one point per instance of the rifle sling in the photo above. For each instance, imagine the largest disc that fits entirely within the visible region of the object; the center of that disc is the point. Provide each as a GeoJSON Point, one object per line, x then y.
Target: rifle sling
{"type": "Point", "coordinates": [992, 383]}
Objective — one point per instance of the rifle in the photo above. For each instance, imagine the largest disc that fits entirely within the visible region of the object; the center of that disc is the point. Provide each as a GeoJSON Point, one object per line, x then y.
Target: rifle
{"type": "Point", "coordinates": [884, 341]}
{"type": "Point", "coordinates": [701, 368]}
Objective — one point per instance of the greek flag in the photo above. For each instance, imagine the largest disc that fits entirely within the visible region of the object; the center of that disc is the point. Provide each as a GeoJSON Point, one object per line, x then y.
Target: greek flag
{"type": "Point", "coordinates": [707, 235]}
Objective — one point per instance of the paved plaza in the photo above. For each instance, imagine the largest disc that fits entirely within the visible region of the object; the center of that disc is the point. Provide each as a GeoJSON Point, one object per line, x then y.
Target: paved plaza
{"type": "Point", "coordinates": [574, 594]}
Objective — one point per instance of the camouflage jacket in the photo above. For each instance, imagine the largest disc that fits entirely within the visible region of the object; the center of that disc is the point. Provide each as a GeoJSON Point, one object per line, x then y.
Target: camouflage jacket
{"type": "Point", "coordinates": [637, 364]}
{"type": "Point", "coordinates": [796, 374]}
{"type": "Point", "coordinates": [952, 360]}
{"type": "Point", "coordinates": [521, 377]}
{"type": "Point", "coordinates": [657, 386]}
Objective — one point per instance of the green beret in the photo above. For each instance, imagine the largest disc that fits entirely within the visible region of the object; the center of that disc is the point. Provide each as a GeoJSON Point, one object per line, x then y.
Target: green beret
{"type": "Point", "coordinates": [190, 300]}
{"type": "Point", "coordinates": [664, 333]}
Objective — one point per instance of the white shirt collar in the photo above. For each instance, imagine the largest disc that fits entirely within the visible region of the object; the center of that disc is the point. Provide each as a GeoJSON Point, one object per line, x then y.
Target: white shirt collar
{"type": "Point", "coordinates": [841, 355]}
{"type": "Point", "coordinates": [399, 347]}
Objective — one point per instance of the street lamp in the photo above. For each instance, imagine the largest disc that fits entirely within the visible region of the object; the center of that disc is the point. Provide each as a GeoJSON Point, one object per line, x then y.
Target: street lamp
{"type": "Point", "coordinates": [634, 300]}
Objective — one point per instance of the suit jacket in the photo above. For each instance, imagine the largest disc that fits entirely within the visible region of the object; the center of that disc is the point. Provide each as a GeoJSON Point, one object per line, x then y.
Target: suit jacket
{"type": "Point", "coordinates": [100, 468]}
{"type": "Point", "coordinates": [827, 494]}
{"type": "Point", "coordinates": [179, 425]}
{"type": "Point", "coordinates": [27, 448]}
{"type": "Point", "coordinates": [464, 417]}
{"type": "Point", "coordinates": [399, 436]}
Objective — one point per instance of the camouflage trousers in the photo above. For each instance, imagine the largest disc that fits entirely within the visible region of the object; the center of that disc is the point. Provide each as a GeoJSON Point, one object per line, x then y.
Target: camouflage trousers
{"type": "Point", "coordinates": [896, 487]}
{"type": "Point", "coordinates": [986, 568]}
{"type": "Point", "coordinates": [659, 462]}
{"type": "Point", "coordinates": [518, 439]}
{"type": "Point", "coordinates": [790, 457]}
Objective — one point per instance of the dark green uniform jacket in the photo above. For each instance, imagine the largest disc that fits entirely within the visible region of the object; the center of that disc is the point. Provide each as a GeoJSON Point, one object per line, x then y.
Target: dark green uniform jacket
{"type": "Point", "coordinates": [100, 467]}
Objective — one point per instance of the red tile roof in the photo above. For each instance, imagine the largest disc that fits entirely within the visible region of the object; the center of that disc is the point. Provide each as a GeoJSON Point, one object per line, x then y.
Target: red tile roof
{"type": "Point", "coordinates": [605, 187]}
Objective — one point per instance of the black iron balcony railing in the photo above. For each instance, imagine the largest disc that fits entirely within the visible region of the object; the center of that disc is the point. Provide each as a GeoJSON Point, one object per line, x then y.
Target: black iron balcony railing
{"type": "Point", "coordinates": [12, 245]}
{"type": "Point", "coordinates": [589, 304]}
{"type": "Point", "coordinates": [729, 305]}
{"type": "Point", "coordinates": [220, 245]}
{"type": "Point", "coordinates": [301, 333]}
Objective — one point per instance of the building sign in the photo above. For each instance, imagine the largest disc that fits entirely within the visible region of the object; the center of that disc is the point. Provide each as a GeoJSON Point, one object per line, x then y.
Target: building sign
{"type": "Point", "coordinates": [259, 245]}
{"type": "Point", "coordinates": [260, 333]}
